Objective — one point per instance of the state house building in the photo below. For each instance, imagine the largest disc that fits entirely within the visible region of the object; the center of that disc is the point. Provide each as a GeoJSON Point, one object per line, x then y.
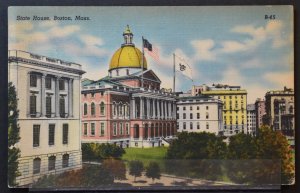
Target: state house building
{"type": "Point", "coordinates": [128, 108]}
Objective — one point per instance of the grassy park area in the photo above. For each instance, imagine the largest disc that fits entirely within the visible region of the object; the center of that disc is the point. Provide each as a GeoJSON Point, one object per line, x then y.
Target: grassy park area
{"type": "Point", "coordinates": [145, 154]}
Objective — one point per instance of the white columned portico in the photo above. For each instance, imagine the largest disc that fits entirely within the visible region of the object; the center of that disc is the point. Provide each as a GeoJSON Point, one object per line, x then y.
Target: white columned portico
{"type": "Point", "coordinates": [170, 110]}
{"type": "Point", "coordinates": [57, 96]}
{"type": "Point", "coordinates": [43, 96]}
{"type": "Point", "coordinates": [174, 110]}
{"type": "Point", "coordinates": [166, 109]}
{"type": "Point", "coordinates": [162, 109]}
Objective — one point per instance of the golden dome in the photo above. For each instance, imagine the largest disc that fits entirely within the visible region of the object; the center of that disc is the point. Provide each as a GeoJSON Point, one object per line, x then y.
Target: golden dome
{"type": "Point", "coordinates": [127, 57]}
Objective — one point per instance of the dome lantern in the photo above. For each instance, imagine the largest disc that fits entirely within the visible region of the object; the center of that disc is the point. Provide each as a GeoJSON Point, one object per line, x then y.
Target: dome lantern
{"type": "Point", "coordinates": [128, 36]}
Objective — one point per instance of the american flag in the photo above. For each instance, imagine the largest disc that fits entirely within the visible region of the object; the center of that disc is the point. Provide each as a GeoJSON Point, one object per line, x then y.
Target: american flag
{"type": "Point", "coordinates": [151, 50]}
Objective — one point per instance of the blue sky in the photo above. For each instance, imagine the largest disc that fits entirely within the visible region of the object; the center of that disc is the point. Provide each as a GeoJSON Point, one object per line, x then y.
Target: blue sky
{"type": "Point", "coordinates": [229, 45]}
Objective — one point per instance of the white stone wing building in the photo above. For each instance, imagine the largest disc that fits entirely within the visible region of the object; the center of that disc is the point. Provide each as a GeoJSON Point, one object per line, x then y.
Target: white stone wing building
{"type": "Point", "coordinates": [48, 90]}
{"type": "Point", "coordinates": [198, 114]}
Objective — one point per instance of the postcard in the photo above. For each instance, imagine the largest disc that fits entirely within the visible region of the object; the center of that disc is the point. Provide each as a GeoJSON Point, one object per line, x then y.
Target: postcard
{"type": "Point", "coordinates": [177, 97]}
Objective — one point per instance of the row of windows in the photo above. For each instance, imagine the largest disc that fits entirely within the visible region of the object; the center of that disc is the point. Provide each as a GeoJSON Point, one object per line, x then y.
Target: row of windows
{"type": "Point", "coordinates": [51, 134]}
{"type": "Point", "coordinates": [92, 129]}
{"type": "Point", "coordinates": [198, 125]}
{"type": "Point", "coordinates": [230, 97]}
{"type": "Point", "coordinates": [93, 109]}
{"type": "Point", "coordinates": [191, 116]}
{"type": "Point", "coordinates": [48, 82]}
{"type": "Point", "coordinates": [191, 108]}
{"type": "Point", "coordinates": [33, 106]}
{"type": "Point", "coordinates": [51, 163]}
{"type": "Point", "coordinates": [120, 130]}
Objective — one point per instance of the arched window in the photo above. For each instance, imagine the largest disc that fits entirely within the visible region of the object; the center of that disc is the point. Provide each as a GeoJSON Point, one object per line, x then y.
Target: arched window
{"type": "Point", "coordinates": [102, 108]}
{"type": "Point", "coordinates": [36, 165]}
{"type": "Point", "coordinates": [65, 160]}
{"type": "Point", "coordinates": [93, 109]}
{"type": "Point", "coordinates": [51, 163]}
{"type": "Point", "coordinates": [120, 109]}
{"type": "Point", "coordinates": [85, 109]}
{"type": "Point", "coordinates": [115, 109]}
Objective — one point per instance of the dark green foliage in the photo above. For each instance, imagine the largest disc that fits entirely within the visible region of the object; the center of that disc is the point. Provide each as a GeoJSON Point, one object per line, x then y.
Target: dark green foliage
{"type": "Point", "coordinates": [136, 168]}
{"type": "Point", "coordinates": [197, 146]}
{"type": "Point", "coordinates": [263, 156]}
{"type": "Point", "coordinates": [96, 151]}
{"type": "Point", "coordinates": [153, 171]}
{"type": "Point", "coordinates": [13, 136]}
{"type": "Point", "coordinates": [116, 167]}
{"type": "Point", "coordinates": [91, 176]}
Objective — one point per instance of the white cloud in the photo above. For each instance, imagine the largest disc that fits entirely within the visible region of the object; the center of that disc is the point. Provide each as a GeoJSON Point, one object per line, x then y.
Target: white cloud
{"type": "Point", "coordinates": [91, 40]}
{"type": "Point", "coordinates": [203, 49]}
{"type": "Point", "coordinates": [232, 46]}
{"type": "Point", "coordinates": [280, 79]}
{"type": "Point", "coordinates": [60, 32]}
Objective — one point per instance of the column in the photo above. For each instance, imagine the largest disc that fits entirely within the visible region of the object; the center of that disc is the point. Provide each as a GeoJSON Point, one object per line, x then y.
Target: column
{"type": "Point", "coordinates": [162, 109]}
{"type": "Point", "coordinates": [57, 96]}
{"type": "Point", "coordinates": [166, 109]}
{"type": "Point", "coordinates": [132, 112]}
{"type": "Point", "coordinates": [148, 108]}
{"type": "Point", "coordinates": [141, 108]}
{"type": "Point", "coordinates": [170, 112]}
{"type": "Point", "coordinates": [153, 109]}
{"type": "Point", "coordinates": [70, 97]}
{"type": "Point", "coordinates": [43, 96]}
{"type": "Point", "coordinates": [28, 94]}
{"type": "Point", "coordinates": [157, 107]}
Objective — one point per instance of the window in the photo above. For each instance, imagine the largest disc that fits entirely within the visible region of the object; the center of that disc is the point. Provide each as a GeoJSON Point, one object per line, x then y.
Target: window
{"type": "Point", "coordinates": [85, 129]}
{"type": "Point", "coordinates": [33, 80]}
{"type": "Point", "coordinates": [121, 128]}
{"type": "Point", "coordinates": [61, 84]}
{"type": "Point", "coordinates": [206, 107]}
{"type": "Point", "coordinates": [177, 108]}
{"type": "Point", "coordinates": [62, 107]}
{"type": "Point", "coordinates": [92, 95]}
{"type": "Point", "coordinates": [101, 129]}
{"type": "Point", "coordinates": [207, 125]}
{"type": "Point", "coordinates": [65, 160]}
{"type": "Point", "coordinates": [93, 109]}
{"type": "Point", "coordinates": [51, 163]}
{"type": "Point", "coordinates": [184, 116]}
{"type": "Point", "coordinates": [191, 125]}
{"type": "Point", "coordinates": [198, 125]}
{"type": "Point", "coordinates": [198, 115]}
{"type": "Point", "coordinates": [48, 83]}
{"type": "Point", "coordinates": [36, 165]}
{"type": "Point", "coordinates": [115, 129]}
{"type": "Point", "coordinates": [177, 115]}
{"type": "Point", "coordinates": [92, 129]}
{"type": "Point", "coordinates": [102, 108]}
{"type": "Point", "coordinates": [191, 107]}
{"type": "Point", "coordinates": [33, 105]}
{"type": "Point", "coordinates": [191, 115]}
{"type": "Point", "coordinates": [184, 125]}
{"type": "Point", "coordinates": [48, 106]}
{"type": "Point", "coordinates": [207, 116]}
{"type": "Point", "coordinates": [85, 109]}
{"type": "Point", "coordinates": [127, 128]}
{"type": "Point", "coordinates": [36, 135]}
{"type": "Point", "coordinates": [184, 108]}
{"type": "Point", "coordinates": [65, 133]}
{"type": "Point", "coordinates": [120, 109]}
{"type": "Point", "coordinates": [115, 109]}
{"type": "Point", "coordinates": [198, 107]}
{"type": "Point", "coordinates": [51, 134]}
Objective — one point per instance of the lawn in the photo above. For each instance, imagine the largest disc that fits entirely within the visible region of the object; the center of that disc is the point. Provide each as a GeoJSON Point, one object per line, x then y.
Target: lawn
{"type": "Point", "coordinates": [145, 154]}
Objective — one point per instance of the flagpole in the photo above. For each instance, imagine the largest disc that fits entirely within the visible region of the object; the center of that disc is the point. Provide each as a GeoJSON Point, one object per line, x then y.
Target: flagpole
{"type": "Point", "coordinates": [174, 73]}
{"type": "Point", "coordinates": [142, 81]}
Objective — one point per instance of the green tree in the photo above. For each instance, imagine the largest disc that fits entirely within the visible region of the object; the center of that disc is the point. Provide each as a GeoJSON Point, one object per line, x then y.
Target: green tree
{"type": "Point", "coordinates": [13, 136]}
{"type": "Point", "coordinates": [96, 151]}
{"type": "Point", "coordinates": [136, 168]}
{"type": "Point", "coordinates": [241, 146]}
{"type": "Point", "coordinates": [274, 145]}
{"type": "Point", "coordinates": [153, 171]}
{"type": "Point", "coordinates": [116, 167]}
{"type": "Point", "coordinates": [201, 145]}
